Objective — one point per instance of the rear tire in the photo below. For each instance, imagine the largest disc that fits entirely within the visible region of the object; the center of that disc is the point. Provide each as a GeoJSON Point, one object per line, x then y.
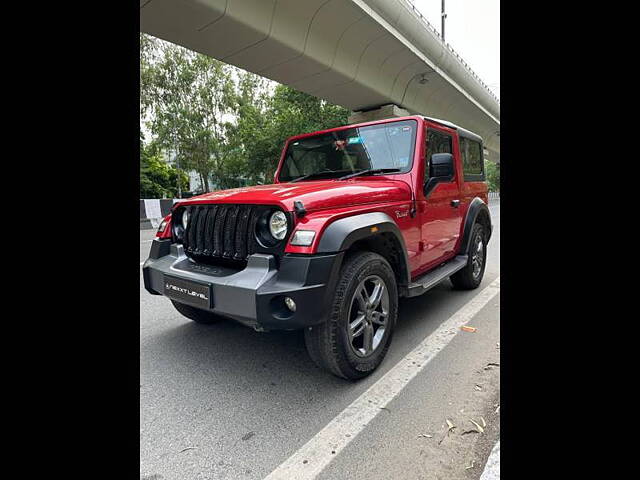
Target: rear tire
{"type": "Point", "coordinates": [197, 315]}
{"type": "Point", "coordinates": [470, 276]}
{"type": "Point", "coordinates": [356, 337]}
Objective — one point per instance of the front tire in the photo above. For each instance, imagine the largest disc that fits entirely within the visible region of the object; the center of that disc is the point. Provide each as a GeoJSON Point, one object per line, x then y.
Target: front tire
{"type": "Point", "coordinates": [197, 315]}
{"type": "Point", "coordinates": [471, 275]}
{"type": "Point", "coordinates": [357, 335]}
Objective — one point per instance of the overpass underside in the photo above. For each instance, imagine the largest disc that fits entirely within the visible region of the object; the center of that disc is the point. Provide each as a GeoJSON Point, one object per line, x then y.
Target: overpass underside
{"type": "Point", "coordinates": [356, 53]}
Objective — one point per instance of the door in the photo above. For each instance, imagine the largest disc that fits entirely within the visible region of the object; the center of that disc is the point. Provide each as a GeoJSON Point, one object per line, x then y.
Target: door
{"type": "Point", "coordinates": [441, 216]}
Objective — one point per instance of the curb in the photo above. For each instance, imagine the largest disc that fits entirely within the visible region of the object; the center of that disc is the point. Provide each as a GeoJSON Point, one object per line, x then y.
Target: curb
{"type": "Point", "coordinates": [492, 468]}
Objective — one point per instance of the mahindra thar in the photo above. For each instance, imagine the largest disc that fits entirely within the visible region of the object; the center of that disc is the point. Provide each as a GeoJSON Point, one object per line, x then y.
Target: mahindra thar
{"type": "Point", "coordinates": [357, 217]}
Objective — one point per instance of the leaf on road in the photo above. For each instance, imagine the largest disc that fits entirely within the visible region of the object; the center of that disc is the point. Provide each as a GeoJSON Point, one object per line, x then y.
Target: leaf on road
{"type": "Point", "coordinates": [470, 466]}
{"type": "Point", "coordinates": [425, 435]}
{"type": "Point", "coordinates": [479, 388]}
{"type": "Point", "coordinates": [478, 426]}
{"type": "Point", "coordinates": [466, 328]}
{"type": "Point", "coordinates": [450, 425]}
{"type": "Point", "coordinates": [188, 448]}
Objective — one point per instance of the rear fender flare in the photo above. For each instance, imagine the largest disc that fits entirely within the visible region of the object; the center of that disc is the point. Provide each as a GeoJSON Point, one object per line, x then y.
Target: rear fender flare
{"type": "Point", "coordinates": [477, 211]}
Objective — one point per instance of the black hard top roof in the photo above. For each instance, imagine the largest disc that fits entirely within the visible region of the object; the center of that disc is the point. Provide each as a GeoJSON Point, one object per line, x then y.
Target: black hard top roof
{"type": "Point", "coordinates": [463, 132]}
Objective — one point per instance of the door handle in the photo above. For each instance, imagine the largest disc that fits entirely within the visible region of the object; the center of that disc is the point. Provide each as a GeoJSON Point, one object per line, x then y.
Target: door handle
{"type": "Point", "coordinates": [455, 203]}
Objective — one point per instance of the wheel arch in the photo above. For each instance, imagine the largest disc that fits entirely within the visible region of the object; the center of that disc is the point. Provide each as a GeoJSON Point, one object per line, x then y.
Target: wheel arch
{"type": "Point", "coordinates": [478, 212]}
{"type": "Point", "coordinates": [376, 232]}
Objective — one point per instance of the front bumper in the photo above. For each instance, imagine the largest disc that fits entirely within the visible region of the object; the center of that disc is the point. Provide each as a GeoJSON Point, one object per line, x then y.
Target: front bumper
{"type": "Point", "coordinates": [255, 295]}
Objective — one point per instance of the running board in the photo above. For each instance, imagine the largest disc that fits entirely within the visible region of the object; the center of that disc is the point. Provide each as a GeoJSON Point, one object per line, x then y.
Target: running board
{"type": "Point", "coordinates": [434, 277]}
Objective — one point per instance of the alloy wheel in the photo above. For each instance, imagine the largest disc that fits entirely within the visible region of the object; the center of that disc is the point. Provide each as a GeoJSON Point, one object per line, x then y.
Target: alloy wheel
{"type": "Point", "coordinates": [368, 315]}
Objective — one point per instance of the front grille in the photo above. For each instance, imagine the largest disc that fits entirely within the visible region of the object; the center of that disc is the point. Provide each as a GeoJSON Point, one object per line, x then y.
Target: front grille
{"type": "Point", "coordinates": [221, 233]}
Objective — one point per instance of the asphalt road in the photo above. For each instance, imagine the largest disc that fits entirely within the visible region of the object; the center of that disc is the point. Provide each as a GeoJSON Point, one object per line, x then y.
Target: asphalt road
{"type": "Point", "coordinates": [226, 402]}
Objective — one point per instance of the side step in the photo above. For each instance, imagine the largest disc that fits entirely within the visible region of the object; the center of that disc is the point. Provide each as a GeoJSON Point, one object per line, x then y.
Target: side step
{"type": "Point", "coordinates": [435, 276]}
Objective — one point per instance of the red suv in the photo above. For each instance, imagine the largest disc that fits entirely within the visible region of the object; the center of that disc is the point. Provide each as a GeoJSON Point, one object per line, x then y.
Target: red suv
{"type": "Point", "coordinates": [357, 217]}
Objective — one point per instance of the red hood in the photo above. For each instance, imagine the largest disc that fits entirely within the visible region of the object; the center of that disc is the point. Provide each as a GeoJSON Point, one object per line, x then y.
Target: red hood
{"type": "Point", "coordinates": [315, 195]}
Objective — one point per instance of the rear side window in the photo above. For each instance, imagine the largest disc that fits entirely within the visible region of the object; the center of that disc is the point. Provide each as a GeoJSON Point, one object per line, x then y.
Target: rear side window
{"type": "Point", "coordinates": [437, 142]}
{"type": "Point", "coordinates": [472, 160]}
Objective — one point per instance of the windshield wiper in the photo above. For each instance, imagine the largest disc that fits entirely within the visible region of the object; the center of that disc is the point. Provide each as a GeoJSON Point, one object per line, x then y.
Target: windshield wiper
{"type": "Point", "coordinates": [372, 171]}
{"type": "Point", "coordinates": [312, 175]}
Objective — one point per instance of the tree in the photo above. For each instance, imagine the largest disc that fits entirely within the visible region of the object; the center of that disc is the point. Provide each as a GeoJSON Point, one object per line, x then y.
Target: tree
{"type": "Point", "coordinates": [492, 171]}
{"type": "Point", "coordinates": [227, 125]}
{"type": "Point", "coordinates": [157, 178]}
{"type": "Point", "coordinates": [148, 56]}
{"type": "Point", "coordinates": [249, 138]}
{"type": "Point", "coordinates": [264, 129]}
{"type": "Point", "coordinates": [189, 95]}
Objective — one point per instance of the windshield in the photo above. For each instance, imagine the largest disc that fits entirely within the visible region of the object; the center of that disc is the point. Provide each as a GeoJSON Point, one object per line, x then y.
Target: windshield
{"type": "Point", "coordinates": [336, 154]}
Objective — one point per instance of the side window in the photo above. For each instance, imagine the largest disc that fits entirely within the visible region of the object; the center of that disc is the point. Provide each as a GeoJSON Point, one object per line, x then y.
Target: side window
{"type": "Point", "coordinates": [472, 160]}
{"type": "Point", "coordinates": [437, 142]}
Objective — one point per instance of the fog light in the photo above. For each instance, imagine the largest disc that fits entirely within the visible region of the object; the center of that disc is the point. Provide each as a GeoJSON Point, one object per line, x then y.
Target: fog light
{"type": "Point", "coordinates": [291, 305]}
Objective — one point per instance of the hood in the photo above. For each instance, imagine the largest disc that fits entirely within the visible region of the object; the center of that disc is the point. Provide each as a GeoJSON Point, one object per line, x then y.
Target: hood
{"type": "Point", "coordinates": [315, 195]}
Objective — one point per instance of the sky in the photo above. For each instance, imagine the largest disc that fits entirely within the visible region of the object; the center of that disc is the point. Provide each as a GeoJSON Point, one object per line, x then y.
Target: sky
{"type": "Point", "coordinates": [472, 28]}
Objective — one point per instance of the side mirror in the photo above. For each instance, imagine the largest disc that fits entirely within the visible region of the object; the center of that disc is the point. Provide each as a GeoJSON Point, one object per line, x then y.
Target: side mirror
{"type": "Point", "coordinates": [442, 166]}
{"type": "Point", "coordinates": [440, 170]}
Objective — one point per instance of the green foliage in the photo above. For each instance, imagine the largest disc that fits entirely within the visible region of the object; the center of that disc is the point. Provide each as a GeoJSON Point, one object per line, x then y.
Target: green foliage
{"type": "Point", "coordinates": [158, 179]}
{"type": "Point", "coordinates": [292, 113]}
{"type": "Point", "coordinates": [492, 171]}
{"type": "Point", "coordinates": [227, 125]}
{"type": "Point", "coordinates": [264, 122]}
{"type": "Point", "coordinates": [187, 96]}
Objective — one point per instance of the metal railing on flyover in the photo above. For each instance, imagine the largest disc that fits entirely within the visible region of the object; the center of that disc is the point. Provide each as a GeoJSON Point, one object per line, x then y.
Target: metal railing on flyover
{"type": "Point", "coordinates": [450, 48]}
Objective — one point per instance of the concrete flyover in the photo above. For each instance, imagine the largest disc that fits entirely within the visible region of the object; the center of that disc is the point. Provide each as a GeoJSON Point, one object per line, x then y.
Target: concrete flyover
{"type": "Point", "coordinates": [360, 54]}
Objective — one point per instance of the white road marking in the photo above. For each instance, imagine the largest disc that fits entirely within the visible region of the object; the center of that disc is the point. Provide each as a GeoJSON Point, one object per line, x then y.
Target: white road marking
{"type": "Point", "coordinates": [309, 461]}
{"type": "Point", "coordinates": [146, 241]}
{"type": "Point", "coordinates": [141, 263]}
{"type": "Point", "coordinates": [492, 468]}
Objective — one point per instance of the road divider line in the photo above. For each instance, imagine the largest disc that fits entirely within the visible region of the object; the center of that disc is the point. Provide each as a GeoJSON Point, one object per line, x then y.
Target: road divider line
{"type": "Point", "coordinates": [314, 456]}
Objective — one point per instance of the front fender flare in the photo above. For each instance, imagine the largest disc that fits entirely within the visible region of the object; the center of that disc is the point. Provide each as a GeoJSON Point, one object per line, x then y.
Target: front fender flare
{"type": "Point", "coordinates": [343, 233]}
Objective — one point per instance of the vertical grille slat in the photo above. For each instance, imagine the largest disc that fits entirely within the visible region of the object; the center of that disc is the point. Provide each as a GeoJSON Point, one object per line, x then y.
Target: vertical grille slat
{"type": "Point", "coordinates": [190, 234]}
{"type": "Point", "coordinates": [208, 230]}
{"type": "Point", "coordinates": [218, 231]}
{"type": "Point", "coordinates": [200, 221]}
{"type": "Point", "coordinates": [241, 234]}
{"type": "Point", "coordinates": [253, 218]}
{"type": "Point", "coordinates": [222, 233]}
{"type": "Point", "coordinates": [230, 232]}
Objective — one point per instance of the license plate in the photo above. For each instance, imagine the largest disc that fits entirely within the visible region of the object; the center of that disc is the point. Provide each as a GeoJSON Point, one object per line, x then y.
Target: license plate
{"type": "Point", "coordinates": [186, 291]}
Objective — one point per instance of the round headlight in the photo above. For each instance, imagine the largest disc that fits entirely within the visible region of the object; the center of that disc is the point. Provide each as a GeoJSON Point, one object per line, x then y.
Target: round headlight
{"type": "Point", "coordinates": [278, 225]}
{"type": "Point", "coordinates": [185, 219]}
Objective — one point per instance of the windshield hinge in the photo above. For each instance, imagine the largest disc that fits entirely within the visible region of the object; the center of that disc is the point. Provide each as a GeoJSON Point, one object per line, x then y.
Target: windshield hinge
{"type": "Point", "coordinates": [299, 208]}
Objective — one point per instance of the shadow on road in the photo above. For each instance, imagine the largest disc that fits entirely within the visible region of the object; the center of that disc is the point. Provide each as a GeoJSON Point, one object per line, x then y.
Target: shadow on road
{"type": "Point", "coordinates": [238, 394]}
{"type": "Point", "coordinates": [229, 353]}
